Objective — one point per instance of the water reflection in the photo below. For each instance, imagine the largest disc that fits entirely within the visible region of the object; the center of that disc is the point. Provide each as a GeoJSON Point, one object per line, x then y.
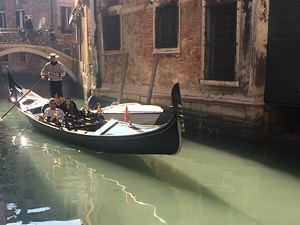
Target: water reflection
{"type": "Point", "coordinates": [51, 185]}
{"type": "Point", "coordinates": [212, 181]}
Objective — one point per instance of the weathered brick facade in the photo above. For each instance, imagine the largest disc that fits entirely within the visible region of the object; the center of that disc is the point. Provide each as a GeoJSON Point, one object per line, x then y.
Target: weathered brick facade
{"type": "Point", "coordinates": [238, 102]}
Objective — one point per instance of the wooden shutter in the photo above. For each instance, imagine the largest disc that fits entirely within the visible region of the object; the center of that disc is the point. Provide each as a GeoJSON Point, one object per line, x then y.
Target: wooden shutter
{"type": "Point", "coordinates": [18, 19]}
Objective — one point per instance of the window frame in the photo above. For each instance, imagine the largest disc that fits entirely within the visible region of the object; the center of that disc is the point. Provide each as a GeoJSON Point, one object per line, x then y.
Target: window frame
{"type": "Point", "coordinates": [70, 29]}
{"type": "Point", "coordinates": [106, 13]}
{"type": "Point", "coordinates": [20, 13]}
{"type": "Point", "coordinates": [204, 80]}
{"type": "Point", "coordinates": [3, 19]}
{"type": "Point", "coordinates": [5, 58]}
{"type": "Point", "coordinates": [21, 57]}
{"type": "Point", "coordinates": [172, 49]}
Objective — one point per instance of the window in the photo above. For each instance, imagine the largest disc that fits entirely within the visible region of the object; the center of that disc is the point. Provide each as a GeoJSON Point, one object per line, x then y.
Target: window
{"type": "Point", "coordinates": [22, 57]}
{"type": "Point", "coordinates": [5, 58]}
{"type": "Point", "coordinates": [20, 18]}
{"type": "Point", "coordinates": [65, 12]}
{"type": "Point", "coordinates": [111, 33]}
{"type": "Point", "coordinates": [112, 3]}
{"type": "Point", "coordinates": [220, 41]}
{"type": "Point", "coordinates": [166, 26]}
{"type": "Point", "coordinates": [79, 37]}
{"type": "Point", "coordinates": [2, 20]}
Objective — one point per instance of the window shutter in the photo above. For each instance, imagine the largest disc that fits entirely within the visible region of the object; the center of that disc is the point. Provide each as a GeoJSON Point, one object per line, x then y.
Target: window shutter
{"type": "Point", "coordinates": [18, 19]}
{"type": "Point", "coordinates": [111, 32]}
{"type": "Point", "coordinates": [166, 26]}
{"type": "Point", "coordinates": [22, 18]}
{"type": "Point", "coordinates": [68, 15]}
{"type": "Point", "coordinates": [63, 18]}
{"type": "Point", "coordinates": [4, 19]}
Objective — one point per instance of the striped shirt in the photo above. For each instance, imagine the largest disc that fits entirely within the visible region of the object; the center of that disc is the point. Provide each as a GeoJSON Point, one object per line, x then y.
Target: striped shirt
{"type": "Point", "coordinates": [50, 70]}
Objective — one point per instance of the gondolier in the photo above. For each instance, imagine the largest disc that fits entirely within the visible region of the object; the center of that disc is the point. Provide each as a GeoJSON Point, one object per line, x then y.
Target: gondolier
{"type": "Point", "coordinates": [55, 72]}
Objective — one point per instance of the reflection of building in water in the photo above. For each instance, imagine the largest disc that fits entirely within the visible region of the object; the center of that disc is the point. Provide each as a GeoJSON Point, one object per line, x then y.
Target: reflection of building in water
{"type": "Point", "coordinates": [92, 193]}
{"type": "Point", "coordinates": [46, 185]}
{"type": "Point", "coordinates": [205, 186]}
{"type": "Point", "coordinates": [8, 165]}
{"type": "Point", "coordinates": [75, 199]}
{"type": "Point", "coordinates": [30, 196]}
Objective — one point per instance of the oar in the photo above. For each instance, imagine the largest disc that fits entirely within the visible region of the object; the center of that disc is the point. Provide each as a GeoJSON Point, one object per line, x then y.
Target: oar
{"type": "Point", "coordinates": [24, 96]}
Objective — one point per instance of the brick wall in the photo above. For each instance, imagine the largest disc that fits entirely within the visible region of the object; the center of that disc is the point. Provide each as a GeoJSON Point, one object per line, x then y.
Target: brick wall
{"type": "Point", "coordinates": [237, 102]}
{"type": "Point", "coordinates": [137, 40]}
{"type": "Point", "coordinates": [31, 67]}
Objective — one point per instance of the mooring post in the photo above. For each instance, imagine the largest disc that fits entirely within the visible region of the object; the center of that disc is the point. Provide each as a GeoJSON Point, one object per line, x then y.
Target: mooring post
{"type": "Point", "coordinates": [123, 78]}
{"type": "Point", "coordinates": [152, 79]}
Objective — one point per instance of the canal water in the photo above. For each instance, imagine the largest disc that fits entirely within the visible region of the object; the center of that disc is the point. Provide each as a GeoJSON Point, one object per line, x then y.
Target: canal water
{"type": "Point", "coordinates": [213, 180]}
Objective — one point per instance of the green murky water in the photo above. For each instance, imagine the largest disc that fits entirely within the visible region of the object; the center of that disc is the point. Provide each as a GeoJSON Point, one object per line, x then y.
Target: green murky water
{"type": "Point", "coordinates": [211, 181]}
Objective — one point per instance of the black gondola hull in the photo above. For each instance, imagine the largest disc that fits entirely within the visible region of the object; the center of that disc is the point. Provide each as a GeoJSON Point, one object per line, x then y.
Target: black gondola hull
{"type": "Point", "coordinates": [133, 138]}
{"type": "Point", "coordinates": [166, 140]}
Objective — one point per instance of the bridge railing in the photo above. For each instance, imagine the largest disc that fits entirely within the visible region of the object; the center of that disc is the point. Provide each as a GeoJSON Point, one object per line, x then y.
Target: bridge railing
{"type": "Point", "coordinates": [37, 37]}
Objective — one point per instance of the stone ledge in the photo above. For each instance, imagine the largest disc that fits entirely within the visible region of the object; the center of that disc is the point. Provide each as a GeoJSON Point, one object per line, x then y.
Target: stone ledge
{"type": "Point", "coordinates": [186, 95]}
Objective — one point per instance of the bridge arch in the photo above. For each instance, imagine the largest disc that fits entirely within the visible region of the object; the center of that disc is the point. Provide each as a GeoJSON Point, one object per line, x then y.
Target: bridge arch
{"type": "Point", "coordinates": [41, 51]}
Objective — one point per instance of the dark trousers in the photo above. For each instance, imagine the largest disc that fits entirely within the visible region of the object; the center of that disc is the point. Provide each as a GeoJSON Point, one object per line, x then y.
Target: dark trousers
{"type": "Point", "coordinates": [52, 44]}
{"type": "Point", "coordinates": [55, 88]}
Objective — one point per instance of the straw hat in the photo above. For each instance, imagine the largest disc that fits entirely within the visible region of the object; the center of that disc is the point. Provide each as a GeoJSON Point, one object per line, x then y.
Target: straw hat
{"type": "Point", "coordinates": [53, 55]}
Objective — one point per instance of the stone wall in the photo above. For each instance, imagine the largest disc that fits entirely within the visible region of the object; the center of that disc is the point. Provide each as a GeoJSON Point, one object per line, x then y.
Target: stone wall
{"type": "Point", "coordinates": [239, 102]}
{"type": "Point", "coordinates": [27, 68]}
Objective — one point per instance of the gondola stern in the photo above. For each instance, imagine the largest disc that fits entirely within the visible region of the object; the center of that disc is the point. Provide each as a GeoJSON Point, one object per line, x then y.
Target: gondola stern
{"type": "Point", "coordinates": [177, 106]}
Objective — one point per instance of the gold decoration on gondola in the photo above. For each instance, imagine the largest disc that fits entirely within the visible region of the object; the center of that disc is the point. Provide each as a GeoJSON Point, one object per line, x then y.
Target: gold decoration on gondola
{"type": "Point", "coordinates": [86, 110]}
{"type": "Point", "coordinates": [56, 114]}
{"type": "Point", "coordinates": [99, 110]}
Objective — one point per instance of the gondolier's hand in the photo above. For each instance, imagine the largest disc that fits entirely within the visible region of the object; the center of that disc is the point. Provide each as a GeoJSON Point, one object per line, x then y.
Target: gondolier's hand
{"type": "Point", "coordinates": [57, 74]}
{"type": "Point", "coordinates": [43, 77]}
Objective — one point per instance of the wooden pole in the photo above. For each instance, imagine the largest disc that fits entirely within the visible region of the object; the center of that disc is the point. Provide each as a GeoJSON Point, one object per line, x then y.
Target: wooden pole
{"type": "Point", "coordinates": [152, 79]}
{"type": "Point", "coordinates": [123, 78]}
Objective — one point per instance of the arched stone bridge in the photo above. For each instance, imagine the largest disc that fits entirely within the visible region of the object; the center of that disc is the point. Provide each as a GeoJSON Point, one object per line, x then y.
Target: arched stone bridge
{"type": "Point", "coordinates": [70, 64]}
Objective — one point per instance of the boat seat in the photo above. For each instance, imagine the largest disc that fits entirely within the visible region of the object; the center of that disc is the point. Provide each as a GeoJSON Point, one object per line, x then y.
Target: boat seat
{"type": "Point", "coordinates": [45, 107]}
{"type": "Point", "coordinates": [102, 130]}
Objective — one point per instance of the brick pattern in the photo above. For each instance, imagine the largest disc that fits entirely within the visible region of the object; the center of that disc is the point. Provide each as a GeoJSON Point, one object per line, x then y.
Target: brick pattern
{"type": "Point", "coordinates": [137, 39]}
{"type": "Point", "coordinates": [238, 104]}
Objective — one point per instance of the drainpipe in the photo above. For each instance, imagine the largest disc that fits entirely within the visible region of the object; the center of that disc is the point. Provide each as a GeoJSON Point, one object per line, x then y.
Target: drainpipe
{"type": "Point", "coordinates": [51, 14]}
{"type": "Point", "coordinates": [94, 48]}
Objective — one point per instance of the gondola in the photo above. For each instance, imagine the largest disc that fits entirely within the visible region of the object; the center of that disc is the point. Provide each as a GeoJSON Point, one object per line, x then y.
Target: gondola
{"type": "Point", "coordinates": [112, 136]}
